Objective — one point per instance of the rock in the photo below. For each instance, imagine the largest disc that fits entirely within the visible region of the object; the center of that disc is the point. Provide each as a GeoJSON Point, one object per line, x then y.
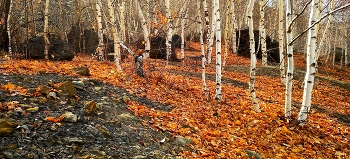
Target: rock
{"type": "Point", "coordinates": [97, 88]}
{"type": "Point", "coordinates": [70, 117]}
{"type": "Point", "coordinates": [32, 110]}
{"type": "Point", "coordinates": [139, 157]}
{"type": "Point", "coordinates": [126, 98]}
{"type": "Point", "coordinates": [183, 141]}
{"type": "Point", "coordinates": [44, 90]}
{"type": "Point", "coordinates": [126, 116]}
{"type": "Point", "coordinates": [79, 85]}
{"type": "Point", "coordinates": [104, 132]}
{"type": "Point", "coordinates": [8, 155]}
{"type": "Point", "coordinates": [84, 71]}
{"type": "Point", "coordinates": [67, 89]}
{"type": "Point", "coordinates": [90, 107]}
{"type": "Point", "coordinates": [7, 127]}
{"type": "Point", "coordinates": [58, 50]}
{"type": "Point", "coordinates": [75, 140]}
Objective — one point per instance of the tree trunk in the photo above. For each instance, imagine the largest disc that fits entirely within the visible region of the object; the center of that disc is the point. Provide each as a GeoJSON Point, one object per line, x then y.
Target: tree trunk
{"type": "Point", "coordinates": [310, 65]}
{"type": "Point", "coordinates": [252, 55]}
{"type": "Point", "coordinates": [169, 33]}
{"type": "Point", "coordinates": [46, 27]}
{"type": "Point", "coordinates": [199, 20]}
{"type": "Point", "coordinates": [8, 28]}
{"type": "Point", "coordinates": [227, 40]}
{"type": "Point", "coordinates": [183, 18]}
{"type": "Point", "coordinates": [211, 40]}
{"type": "Point", "coordinates": [218, 93]}
{"type": "Point", "coordinates": [290, 69]}
{"type": "Point", "coordinates": [281, 40]}
{"type": "Point", "coordinates": [262, 30]}
{"type": "Point", "coordinates": [100, 48]}
{"type": "Point", "coordinates": [207, 27]}
{"type": "Point", "coordinates": [234, 27]}
{"type": "Point", "coordinates": [115, 37]}
{"type": "Point", "coordinates": [334, 46]}
{"type": "Point", "coordinates": [122, 21]}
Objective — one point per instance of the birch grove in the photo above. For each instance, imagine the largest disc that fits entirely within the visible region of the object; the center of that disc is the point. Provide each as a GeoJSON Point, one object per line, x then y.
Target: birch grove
{"type": "Point", "coordinates": [252, 56]}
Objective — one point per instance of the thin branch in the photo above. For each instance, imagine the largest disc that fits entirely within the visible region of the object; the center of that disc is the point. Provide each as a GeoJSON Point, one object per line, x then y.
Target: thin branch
{"type": "Point", "coordinates": [312, 25]}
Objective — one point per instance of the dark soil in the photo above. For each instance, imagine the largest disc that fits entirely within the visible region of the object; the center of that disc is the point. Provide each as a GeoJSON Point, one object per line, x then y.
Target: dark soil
{"type": "Point", "coordinates": [111, 131]}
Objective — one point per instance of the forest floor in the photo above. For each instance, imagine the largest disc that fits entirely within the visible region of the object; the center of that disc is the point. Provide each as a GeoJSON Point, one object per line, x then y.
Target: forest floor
{"type": "Point", "coordinates": [166, 114]}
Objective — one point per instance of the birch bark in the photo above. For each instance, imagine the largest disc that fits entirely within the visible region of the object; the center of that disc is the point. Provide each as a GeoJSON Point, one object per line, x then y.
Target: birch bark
{"type": "Point", "coordinates": [262, 5]}
{"type": "Point", "coordinates": [199, 20]}
{"type": "Point", "coordinates": [8, 28]}
{"type": "Point", "coordinates": [281, 39]}
{"type": "Point", "coordinates": [100, 48]}
{"type": "Point", "coordinates": [170, 31]}
{"type": "Point", "coordinates": [310, 65]}
{"type": "Point", "coordinates": [252, 55]}
{"type": "Point", "coordinates": [227, 40]}
{"type": "Point", "coordinates": [234, 27]}
{"type": "Point", "coordinates": [218, 93]}
{"type": "Point", "coordinates": [211, 40]}
{"type": "Point", "coordinates": [115, 37]}
{"type": "Point", "coordinates": [46, 27]}
{"type": "Point", "coordinates": [290, 69]}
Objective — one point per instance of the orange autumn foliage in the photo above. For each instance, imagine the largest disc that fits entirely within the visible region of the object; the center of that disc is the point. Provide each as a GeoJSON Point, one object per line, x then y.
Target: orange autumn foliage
{"type": "Point", "coordinates": [227, 128]}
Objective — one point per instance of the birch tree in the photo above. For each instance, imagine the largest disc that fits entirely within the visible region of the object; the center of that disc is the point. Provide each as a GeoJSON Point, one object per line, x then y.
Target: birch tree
{"type": "Point", "coordinates": [183, 19]}
{"type": "Point", "coordinates": [145, 55]}
{"type": "Point", "coordinates": [290, 69]}
{"type": "Point", "coordinates": [207, 27]}
{"type": "Point", "coordinates": [170, 31]}
{"type": "Point", "coordinates": [212, 33]}
{"type": "Point", "coordinates": [218, 50]}
{"type": "Point", "coordinates": [115, 37]}
{"type": "Point", "coordinates": [8, 27]}
{"type": "Point", "coordinates": [46, 27]}
{"type": "Point", "coordinates": [100, 48]}
{"type": "Point", "coordinates": [262, 5]}
{"type": "Point", "coordinates": [252, 55]}
{"type": "Point", "coordinates": [310, 65]}
{"type": "Point", "coordinates": [234, 26]}
{"type": "Point", "coordinates": [122, 20]}
{"type": "Point", "coordinates": [199, 20]}
{"type": "Point", "coordinates": [281, 39]}
{"type": "Point", "coordinates": [227, 40]}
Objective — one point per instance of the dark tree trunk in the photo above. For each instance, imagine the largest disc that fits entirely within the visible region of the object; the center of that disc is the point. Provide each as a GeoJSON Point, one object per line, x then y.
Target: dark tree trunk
{"type": "Point", "coordinates": [4, 40]}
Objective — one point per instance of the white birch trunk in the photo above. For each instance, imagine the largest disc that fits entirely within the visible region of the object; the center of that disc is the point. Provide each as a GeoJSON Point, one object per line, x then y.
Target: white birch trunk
{"type": "Point", "coordinates": [115, 37]}
{"type": "Point", "coordinates": [46, 27]}
{"type": "Point", "coordinates": [262, 30]}
{"type": "Point", "coordinates": [155, 21]}
{"type": "Point", "coordinates": [346, 48]}
{"type": "Point", "coordinates": [183, 18]}
{"type": "Point", "coordinates": [211, 40]}
{"type": "Point", "coordinates": [199, 20]}
{"type": "Point", "coordinates": [169, 33]}
{"type": "Point", "coordinates": [252, 55]}
{"type": "Point", "coordinates": [9, 28]}
{"type": "Point", "coordinates": [281, 39]}
{"type": "Point", "coordinates": [334, 46]}
{"type": "Point", "coordinates": [218, 93]}
{"type": "Point", "coordinates": [310, 65]}
{"type": "Point", "coordinates": [145, 31]}
{"type": "Point", "coordinates": [207, 26]}
{"type": "Point", "coordinates": [290, 69]}
{"type": "Point", "coordinates": [100, 48]}
{"type": "Point", "coordinates": [122, 20]}
{"type": "Point", "coordinates": [234, 27]}
{"type": "Point", "coordinates": [227, 40]}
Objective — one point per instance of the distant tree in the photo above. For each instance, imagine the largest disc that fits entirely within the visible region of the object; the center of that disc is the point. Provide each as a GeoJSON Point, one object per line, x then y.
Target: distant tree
{"type": "Point", "coordinates": [46, 27]}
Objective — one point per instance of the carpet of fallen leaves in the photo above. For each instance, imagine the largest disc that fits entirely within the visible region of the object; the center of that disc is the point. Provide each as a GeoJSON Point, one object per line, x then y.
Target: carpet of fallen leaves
{"type": "Point", "coordinates": [225, 129]}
